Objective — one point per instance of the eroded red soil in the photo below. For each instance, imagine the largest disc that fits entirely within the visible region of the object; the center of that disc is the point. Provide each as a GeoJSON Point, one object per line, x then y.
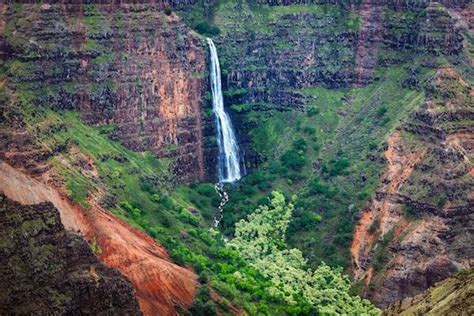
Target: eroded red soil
{"type": "Point", "coordinates": [159, 284]}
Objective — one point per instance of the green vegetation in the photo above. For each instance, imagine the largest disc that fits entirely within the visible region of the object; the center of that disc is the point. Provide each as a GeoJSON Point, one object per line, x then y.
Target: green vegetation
{"type": "Point", "coordinates": [285, 257]}
{"type": "Point", "coordinates": [330, 156]}
{"type": "Point", "coordinates": [260, 239]}
{"type": "Point", "coordinates": [137, 187]}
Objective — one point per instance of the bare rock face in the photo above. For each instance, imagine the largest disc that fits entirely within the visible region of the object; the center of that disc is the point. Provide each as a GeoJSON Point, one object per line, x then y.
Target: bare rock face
{"type": "Point", "coordinates": [48, 270]}
{"type": "Point", "coordinates": [131, 66]}
{"type": "Point", "coordinates": [417, 230]}
{"type": "Point", "coordinates": [453, 296]}
{"type": "Point", "coordinates": [335, 46]}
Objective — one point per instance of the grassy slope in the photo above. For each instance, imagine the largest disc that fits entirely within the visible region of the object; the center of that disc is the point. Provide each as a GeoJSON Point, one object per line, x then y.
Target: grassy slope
{"type": "Point", "coordinates": [138, 188]}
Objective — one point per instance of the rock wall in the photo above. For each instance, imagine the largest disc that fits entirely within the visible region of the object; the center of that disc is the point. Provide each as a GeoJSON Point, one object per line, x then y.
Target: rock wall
{"type": "Point", "coordinates": [416, 230]}
{"type": "Point", "coordinates": [453, 296]}
{"type": "Point", "coordinates": [332, 45]}
{"type": "Point", "coordinates": [399, 4]}
{"type": "Point", "coordinates": [48, 270]}
{"type": "Point", "coordinates": [128, 65]}
{"type": "Point", "coordinates": [269, 53]}
{"type": "Point", "coordinates": [161, 287]}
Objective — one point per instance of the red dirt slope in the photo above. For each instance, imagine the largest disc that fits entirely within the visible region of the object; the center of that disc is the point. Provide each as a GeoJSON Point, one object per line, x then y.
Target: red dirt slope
{"type": "Point", "coordinates": [159, 284]}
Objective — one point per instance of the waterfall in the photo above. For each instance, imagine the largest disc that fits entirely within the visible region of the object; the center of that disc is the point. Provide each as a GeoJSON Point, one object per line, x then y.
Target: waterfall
{"type": "Point", "coordinates": [228, 161]}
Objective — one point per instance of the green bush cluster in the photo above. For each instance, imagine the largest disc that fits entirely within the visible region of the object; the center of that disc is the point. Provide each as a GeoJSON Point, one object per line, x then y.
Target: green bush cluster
{"type": "Point", "coordinates": [260, 240]}
{"type": "Point", "coordinates": [295, 158]}
{"type": "Point", "coordinates": [207, 29]}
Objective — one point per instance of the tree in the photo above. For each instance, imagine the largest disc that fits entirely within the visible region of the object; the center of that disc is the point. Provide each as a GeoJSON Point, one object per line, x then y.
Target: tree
{"type": "Point", "coordinates": [260, 240]}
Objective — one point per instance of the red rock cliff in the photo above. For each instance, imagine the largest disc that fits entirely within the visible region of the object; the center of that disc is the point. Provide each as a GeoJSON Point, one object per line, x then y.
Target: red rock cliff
{"type": "Point", "coordinates": [128, 65]}
{"type": "Point", "coordinates": [417, 231]}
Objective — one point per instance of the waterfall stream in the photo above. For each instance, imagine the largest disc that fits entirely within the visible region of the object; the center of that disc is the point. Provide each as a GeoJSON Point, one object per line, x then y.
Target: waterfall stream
{"type": "Point", "coordinates": [228, 161]}
{"type": "Point", "coordinates": [219, 187]}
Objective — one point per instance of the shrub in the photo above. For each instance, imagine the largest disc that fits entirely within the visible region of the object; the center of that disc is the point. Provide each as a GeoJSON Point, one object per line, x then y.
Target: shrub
{"type": "Point", "coordinates": [147, 187]}
{"type": "Point", "coordinates": [338, 166]}
{"type": "Point", "coordinates": [168, 11]}
{"type": "Point", "coordinates": [293, 160]}
{"type": "Point", "coordinates": [315, 187]}
{"type": "Point", "coordinates": [166, 221]}
{"type": "Point", "coordinates": [186, 217]}
{"type": "Point", "coordinates": [276, 168]}
{"type": "Point", "coordinates": [207, 29]}
{"type": "Point", "coordinates": [382, 111]}
{"type": "Point", "coordinates": [239, 108]}
{"type": "Point", "coordinates": [441, 201]}
{"type": "Point", "coordinates": [203, 277]}
{"type": "Point", "coordinates": [206, 189]}
{"type": "Point", "coordinates": [361, 196]}
{"type": "Point", "coordinates": [300, 144]}
{"type": "Point", "coordinates": [374, 226]}
{"type": "Point", "coordinates": [312, 111]}
{"type": "Point", "coordinates": [167, 202]}
{"type": "Point", "coordinates": [155, 197]}
{"type": "Point", "coordinates": [235, 92]}
{"type": "Point", "coordinates": [411, 212]}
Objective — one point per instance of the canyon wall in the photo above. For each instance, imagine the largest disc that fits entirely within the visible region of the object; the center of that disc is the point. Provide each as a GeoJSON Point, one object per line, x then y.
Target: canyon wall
{"type": "Point", "coordinates": [417, 229]}
{"type": "Point", "coordinates": [132, 69]}
{"type": "Point", "coordinates": [270, 54]}
{"type": "Point", "coordinates": [139, 69]}
{"type": "Point", "coordinates": [131, 66]}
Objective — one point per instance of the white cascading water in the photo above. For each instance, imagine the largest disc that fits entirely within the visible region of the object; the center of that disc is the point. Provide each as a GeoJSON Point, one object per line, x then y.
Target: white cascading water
{"type": "Point", "coordinates": [228, 162]}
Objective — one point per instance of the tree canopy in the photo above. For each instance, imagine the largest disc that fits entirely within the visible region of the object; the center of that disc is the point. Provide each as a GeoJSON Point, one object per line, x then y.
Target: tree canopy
{"type": "Point", "coordinates": [260, 240]}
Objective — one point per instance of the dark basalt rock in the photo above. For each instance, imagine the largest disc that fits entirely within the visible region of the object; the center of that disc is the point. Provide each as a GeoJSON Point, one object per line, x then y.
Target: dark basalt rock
{"type": "Point", "coordinates": [45, 269]}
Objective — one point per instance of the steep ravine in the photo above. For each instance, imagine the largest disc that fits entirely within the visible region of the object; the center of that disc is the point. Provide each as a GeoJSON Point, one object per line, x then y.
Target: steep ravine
{"type": "Point", "coordinates": [271, 53]}
{"type": "Point", "coordinates": [140, 73]}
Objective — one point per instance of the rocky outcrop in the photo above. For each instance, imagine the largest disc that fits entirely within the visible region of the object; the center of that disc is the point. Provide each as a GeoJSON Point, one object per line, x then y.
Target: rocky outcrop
{"type": "Point", "coordinates": [132, 66]}
{"type": "Point", "coordinates": [161, 287]}
{"type": "Point", "coordinates": [453, 296]}
{"type": "Point", "coordinates": [417, 229]}
{"type": "Point", "coordinates": [48, 270]}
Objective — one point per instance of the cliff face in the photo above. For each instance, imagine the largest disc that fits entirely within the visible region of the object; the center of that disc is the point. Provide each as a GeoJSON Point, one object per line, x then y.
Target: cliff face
{"type": "Point", "coordinates": [48, 270]}
{"type": "Point", "coordinates": [161, 287]}
{"type": "Point", "coordinates": [269, 53]}
{"type": "Point", "coordinates": [144, 73]}
{"type": "Point", "coordinates": [131, 66]}
{"type": "Point", "coordinates": [416, 230]}
{"type": "Point", "coordinates": [453, 296]}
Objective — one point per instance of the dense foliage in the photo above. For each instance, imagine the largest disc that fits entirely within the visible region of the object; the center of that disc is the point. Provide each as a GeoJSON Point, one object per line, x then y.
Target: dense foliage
{"type": "Point", "coordinates": [260, 239]}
